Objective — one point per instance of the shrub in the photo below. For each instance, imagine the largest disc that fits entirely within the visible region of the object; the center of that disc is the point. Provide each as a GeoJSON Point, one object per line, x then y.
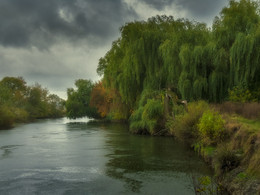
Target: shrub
{"type": "Point", "coordinates": [6, 117]}
{"type": "Point", "coordinates": [184, 127]}
{"type": "Point", "coordinates": [146, 95]}
{"type": "Point", "coordinates": [147, 118]}
{"type": "Point", "coordinates": [136, 124]}
{"type": "Point", "coordinates": [242, 94]}
{"type": "Point", "coordinates": [20, 115]}
{"type": "Point", "coordinates": [211, 127]}
{"type": "Point", "coordinates": [205, 185]}
{"type": "Point", "coordinates": [153, 109]}
{"type": "Point", "coordinates": [225, 160]}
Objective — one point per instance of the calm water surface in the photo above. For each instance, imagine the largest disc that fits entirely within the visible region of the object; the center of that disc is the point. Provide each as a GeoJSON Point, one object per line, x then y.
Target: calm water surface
{"type": "Point", "coordinates": [73, 157]}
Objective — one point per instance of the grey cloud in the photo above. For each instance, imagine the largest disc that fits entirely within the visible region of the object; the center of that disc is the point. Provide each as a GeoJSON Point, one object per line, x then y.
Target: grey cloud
{"type": "Point", "coordinates": [26, 23]}
{"type": "Point", "coordinates": [202, 8]}
{"type": "Point", "coordinates": [54, 42]}
{"type": "Point", "coordinates": [40, 22]}
{"type": "Point", "coordinates": [158, 4]}
{"type": "Point", "coordinates": [196, 8]}
{"type": "Point", "coordinates": [55, 69]}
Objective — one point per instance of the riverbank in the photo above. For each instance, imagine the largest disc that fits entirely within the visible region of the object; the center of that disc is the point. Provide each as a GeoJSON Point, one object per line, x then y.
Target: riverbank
{"type": "Point", "coordinates": [237, 160]}
{"type": "Point", "coordinates": [12, 124]}
{"type": "Point", "coordinates": [229, 143]}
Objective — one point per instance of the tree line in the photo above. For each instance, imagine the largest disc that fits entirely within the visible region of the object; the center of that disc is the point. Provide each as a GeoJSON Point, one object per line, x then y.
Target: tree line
{"type": "Point", "coordinates": [21, 103]}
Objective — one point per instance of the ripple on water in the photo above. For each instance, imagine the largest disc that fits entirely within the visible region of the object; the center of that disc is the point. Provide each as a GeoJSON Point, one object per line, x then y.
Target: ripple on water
{"type": "Point", "coordinates": [81, 158]}
{"type": "Point", "coordinates": [5, 151]}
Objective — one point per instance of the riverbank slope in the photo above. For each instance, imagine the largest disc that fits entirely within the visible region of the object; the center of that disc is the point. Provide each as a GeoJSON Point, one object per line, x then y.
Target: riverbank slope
{"type": "Point", "coordinates": [229, 142]}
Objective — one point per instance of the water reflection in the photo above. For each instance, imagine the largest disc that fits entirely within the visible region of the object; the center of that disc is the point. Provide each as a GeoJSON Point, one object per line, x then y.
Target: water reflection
{"type": "Point", "coordinates": [75, 157]}
{"type": "Point", "coordinates": [72, 126]}
{"type": "Point", "coordinates": [134, 159]}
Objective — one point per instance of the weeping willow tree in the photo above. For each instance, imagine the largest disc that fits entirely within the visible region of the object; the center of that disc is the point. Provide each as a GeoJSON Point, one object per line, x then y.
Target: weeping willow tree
{"type": "Point", "coordinates": [239, 16]}
{"type": "Point", "coordinates": [236, 62]}
{"type": "Point", "coordinates": [152, 55]}
{"type": "Point", "coordinates": [133, 62]}
{"type": "Point", "coordinates": [244, 58]}
{"type": "Point", "coordinates": [195, 62]}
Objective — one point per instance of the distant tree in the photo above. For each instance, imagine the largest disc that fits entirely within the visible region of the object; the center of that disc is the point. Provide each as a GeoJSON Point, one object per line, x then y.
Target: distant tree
{"type": "Point", "coordinates": [78, 102]}
{"type": "Point", "coordinates": [37, 101]}
{"type": "Point", "coordinates": [16, 88]}
{"type": "Point", "coordinates": [101, 99]}
{"type": "Point", "coordinates": [14, 83]}
{"type": "Point", "coordinates": [19, 102]}
{"type": "Point", "coordinates": [13, 91]}
{"type": "Point", "coordinates": [56, 106]}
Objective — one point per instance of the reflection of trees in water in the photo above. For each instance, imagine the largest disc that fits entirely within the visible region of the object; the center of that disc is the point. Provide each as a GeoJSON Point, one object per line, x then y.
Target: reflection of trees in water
{"type": "Point", "coordinates": [125, 159]}
{"type": "Point", "coordinates": [133, 155]}
{"type": "Point", "coordinates": [71, 126]}
{"type": "Point", "coordinates": [132, 184]}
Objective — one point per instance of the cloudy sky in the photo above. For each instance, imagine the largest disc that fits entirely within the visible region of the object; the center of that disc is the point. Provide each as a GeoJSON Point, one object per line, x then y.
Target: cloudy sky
{"type": "Point", "coordinates": [55, 42]}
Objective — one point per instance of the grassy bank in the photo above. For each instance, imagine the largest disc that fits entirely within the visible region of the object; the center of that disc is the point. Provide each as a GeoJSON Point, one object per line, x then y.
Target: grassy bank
{"type": "Point", "coordinates": [229, 142]}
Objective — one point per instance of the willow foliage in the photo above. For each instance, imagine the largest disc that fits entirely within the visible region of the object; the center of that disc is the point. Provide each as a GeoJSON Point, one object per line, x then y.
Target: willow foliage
{"type": "Point", "coordinates": [195, 62]}
{"type": "Point", "coordinates": [244, 56]}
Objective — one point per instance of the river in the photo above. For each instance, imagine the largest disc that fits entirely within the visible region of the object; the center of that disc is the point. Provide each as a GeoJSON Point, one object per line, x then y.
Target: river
{"type": "Point", "coordinates": [65, 156]}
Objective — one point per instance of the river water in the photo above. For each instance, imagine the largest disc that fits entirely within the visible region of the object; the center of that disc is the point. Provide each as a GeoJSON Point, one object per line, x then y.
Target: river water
{"type": "Point", "coordinates": [64, 156]}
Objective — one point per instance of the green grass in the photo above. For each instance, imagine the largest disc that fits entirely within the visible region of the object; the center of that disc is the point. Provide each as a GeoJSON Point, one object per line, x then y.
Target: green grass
{"type": "Point", "coordinates": [210, 150]}
{"type": "Point", "coordinates": [242, 176]}
{"type": "Point", "coordinates": [252, 124]}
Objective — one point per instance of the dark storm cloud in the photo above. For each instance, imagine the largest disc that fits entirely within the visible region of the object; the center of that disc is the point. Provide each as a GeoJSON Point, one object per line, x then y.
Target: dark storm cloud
{"type": "Point", "coordinates": [40, 22]}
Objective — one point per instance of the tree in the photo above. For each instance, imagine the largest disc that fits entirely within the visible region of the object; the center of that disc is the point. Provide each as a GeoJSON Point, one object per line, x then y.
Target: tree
{"type": "Point", "coordinates": [195, 62]}
{"type": "Point", "coordinates": [101, 99]}
{"type": "Point", "coordinates": [37, 101]}
{"type": "Point", "coordinates": [55, 106]}
{"type": "Point", "coordinates": [78, 102]}
{"type": "Point", "coordinates": [16, 88]}
{"type": "Point", "coordinates": [19, 102]}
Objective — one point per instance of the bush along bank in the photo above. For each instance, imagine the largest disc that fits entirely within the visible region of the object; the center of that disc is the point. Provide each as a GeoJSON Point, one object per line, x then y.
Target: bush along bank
{"type": "Point", "coordinates": [230, 144]}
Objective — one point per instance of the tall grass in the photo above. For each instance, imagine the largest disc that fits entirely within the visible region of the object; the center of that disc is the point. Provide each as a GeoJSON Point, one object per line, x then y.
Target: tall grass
{"type": "Point", "coordinates": [247, 110]}
{"type": "Point", "coordinates": [225, 160]}
{"type": "Point", "coordinates": [253, 125]}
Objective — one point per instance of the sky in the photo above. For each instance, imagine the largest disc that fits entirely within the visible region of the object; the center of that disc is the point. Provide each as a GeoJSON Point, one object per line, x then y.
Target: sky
{"type": "Point", "coordinates": [55, 42]}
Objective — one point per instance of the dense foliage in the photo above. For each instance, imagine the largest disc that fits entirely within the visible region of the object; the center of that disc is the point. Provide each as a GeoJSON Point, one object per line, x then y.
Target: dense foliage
{"type": "Point", "coordinates": [20, 103]}
{"type": "Point", "coordinates": [158, 65]}
{"type": "Point", "coordinates": [194, 61]}
{"type": "Point", "coordinates": [78, 102]}
{"type": "Point", "coordinates": [148, 117]}
{"type": "Point", "coordinates": [185, 126]}
{"type": "Point", "coordinates": [181, 60]}
{"type": "Point", "coordinates": [211, 127]}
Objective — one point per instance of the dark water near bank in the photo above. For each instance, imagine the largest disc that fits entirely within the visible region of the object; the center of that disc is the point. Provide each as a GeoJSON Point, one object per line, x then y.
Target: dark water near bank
{"type": "Point", "coordinates": [73, 157]}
